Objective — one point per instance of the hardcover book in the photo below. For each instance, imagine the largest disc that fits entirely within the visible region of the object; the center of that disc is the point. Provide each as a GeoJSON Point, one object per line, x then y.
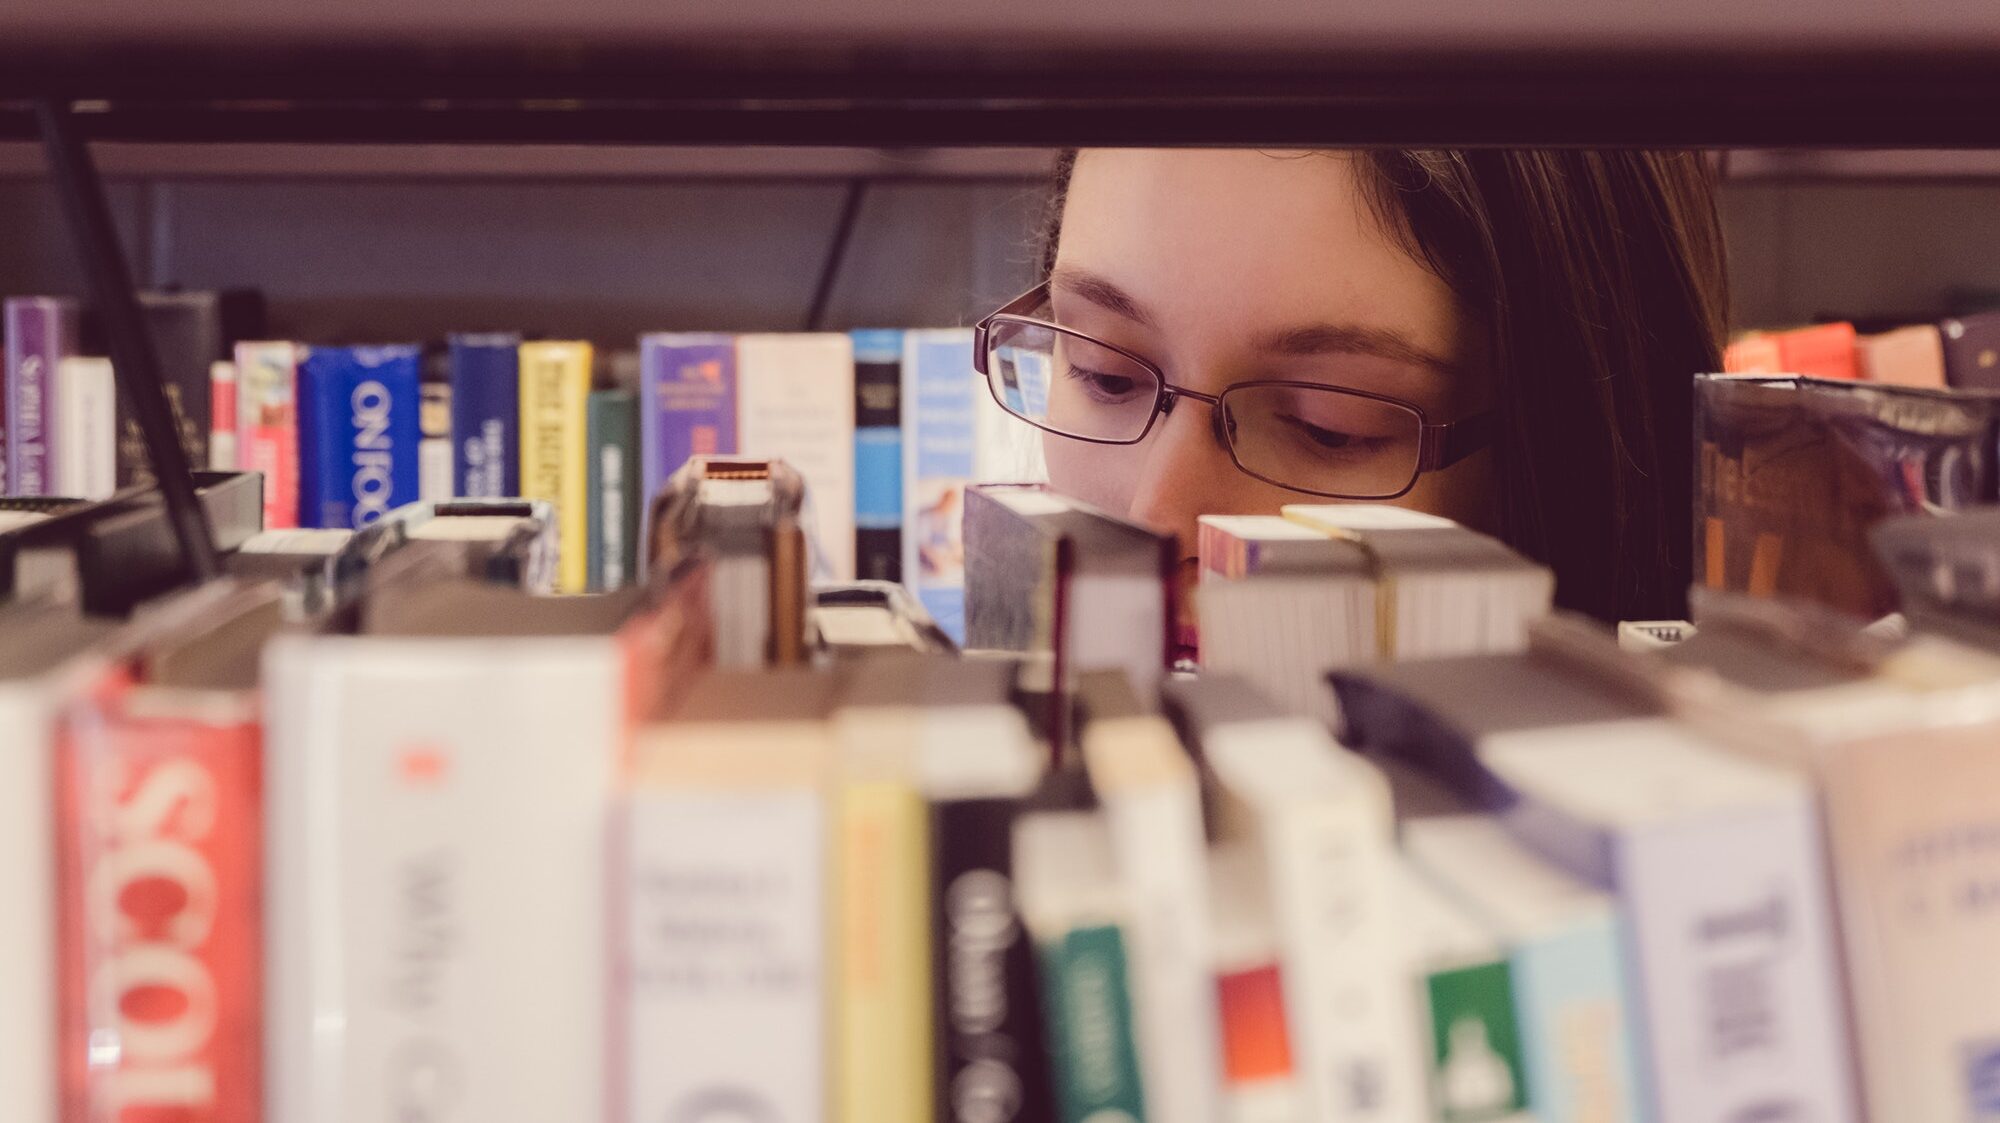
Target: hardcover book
{"type": "Point", "coordinates": [795, 395]}
{"type": "Point", "coordinates": [1972, 351]}
{"type": "Point", "coordinates": [267, 425]}
{"type": "Point", "coordinates": [612, 488]}
{"type": "Point", "coordinates": [555, 389]}
{"type": "Point", "coordinates": [86, 445]}
{"type": "Point", "coordinates": [435, 469]}
{"type": "Point", "coordinates": [40, 331]}
{"type": "Point", "coordinates": [940, 414]}
{"type": "Point", "coordinates": [191, 331]}
{"type": "Point", "coordinates": [485, 415]}
{"type": "Point", "coordinates": [878, 455]}
{"type": "Point", "coordinates": [358, 433]}
{"type": "Point", "coordinates": [687, 402]}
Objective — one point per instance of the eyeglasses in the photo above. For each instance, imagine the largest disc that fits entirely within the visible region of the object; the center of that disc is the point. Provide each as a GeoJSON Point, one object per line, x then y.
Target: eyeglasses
{"type": "Point", "coordinates": [1304, 436]}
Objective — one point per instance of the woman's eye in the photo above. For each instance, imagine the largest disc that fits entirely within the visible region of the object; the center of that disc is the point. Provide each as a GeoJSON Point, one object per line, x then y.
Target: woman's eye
{"type": "Point", "coordinates": [1332, 440]}
{"type": "Point", "coordinates": [1105, 387]}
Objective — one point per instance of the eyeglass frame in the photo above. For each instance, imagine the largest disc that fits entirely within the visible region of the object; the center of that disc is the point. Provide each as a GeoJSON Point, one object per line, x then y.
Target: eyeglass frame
{"type": "Point", "coordinates": [1439, 445]}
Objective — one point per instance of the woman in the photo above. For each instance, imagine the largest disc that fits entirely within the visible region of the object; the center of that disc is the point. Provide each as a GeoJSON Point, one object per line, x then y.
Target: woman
{"type": "Point", "coordinates": [1506, 338]}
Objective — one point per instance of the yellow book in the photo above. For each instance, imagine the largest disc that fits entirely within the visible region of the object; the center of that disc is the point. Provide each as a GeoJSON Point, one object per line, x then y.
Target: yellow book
{"type": "Point", "coordinates": [882, 999]}
{"type": "Point", "coordinates": [555, 393]}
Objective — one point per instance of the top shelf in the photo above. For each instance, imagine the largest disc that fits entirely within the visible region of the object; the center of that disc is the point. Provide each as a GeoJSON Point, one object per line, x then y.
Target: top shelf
{"type": "Point", "coordinates": [1745, 73]}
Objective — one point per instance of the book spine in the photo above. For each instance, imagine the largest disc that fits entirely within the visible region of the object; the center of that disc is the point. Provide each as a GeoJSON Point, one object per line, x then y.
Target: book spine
{"type": "Point", "coordinates": [878, 455]}
{"type": "Point", "coordinates": [687, 403]}
{"type": "Point", "coordinates": [882, 1039]}
{"type": "Point", "coordinates": [1087, 993]}
{"type": "Point", "coordinates": [555, 388]}
{"type": "Point", "coordinates": [400, 956]}
{"type": "Point", "coordinates": [267, 425]}
{"type": "Point", "coordinates": [1729, 925]}
{"type": "Point", "coordinates": [991, 1058]}
{"type": "Point", "coordinates": [28, 1064]}
{"type": "Point", "coordinates": [721, 953]}
{"type": "Point", "coordinates": [795, 397]}
{"type": "Point", "coordinates": [1576, 1035]}
{"type": "Point", "coordinates": [485, 416]}
{"type": "Point", "coordinates": [187, 330]}
{"type": "Point", "coordinates": [938, 463]}
{"type": "Point", "coordinates": [1256, 1050]}
{"type": "Point", "coordinates": [363, 403]}
{"type": "Point", "coordinates": [160, 884]}
{"type": "Point", "coordinates": [40, 334]}
{"type": "Point", "coordinates": [223, 443]}
{"type": "Point", "coordinates": [613, 528]}
{"type": "Point", "coordinates": [1353, 1017]}
{"type": "Point", "coordinates": [86, 407]}
{"type": "Point", "coordinates": [1474, 1043]}
{"type": "Point", "coordinates": [434, 458]}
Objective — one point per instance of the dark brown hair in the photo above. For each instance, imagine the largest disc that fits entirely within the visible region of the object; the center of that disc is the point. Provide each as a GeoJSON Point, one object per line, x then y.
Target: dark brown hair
{"type": "Point", "coordinates": [1597, 278]}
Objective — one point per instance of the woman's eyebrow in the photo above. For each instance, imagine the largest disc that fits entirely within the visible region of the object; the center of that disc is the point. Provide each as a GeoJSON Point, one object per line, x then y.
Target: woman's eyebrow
{"type": "Point", "coordinates": [1351, 339]}
{"type": "Point", "coordinates": [1086, 285]}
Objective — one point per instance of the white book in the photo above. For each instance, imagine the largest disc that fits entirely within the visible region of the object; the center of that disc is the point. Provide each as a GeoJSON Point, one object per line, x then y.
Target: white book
{"type": "Point", "coordinates": [795, 402]}
{"type": "Point", "coordinates": [86, 420]}
{"type": "Point", "coordinates": [436, 908]}
{"type": "Point", "coordinates": [1322, 819]}
{"type": "Point", "coordinates": [720, 967]}
{"type": "Point", "coordinates": [1717, 866]}
{"type": "Point", "coordinates": [434, 467]}
{"type": "Point", "coordinates": [1147, 787]}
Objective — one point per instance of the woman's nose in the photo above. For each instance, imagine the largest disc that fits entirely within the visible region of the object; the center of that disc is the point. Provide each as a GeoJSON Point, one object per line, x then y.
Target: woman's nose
{"type": "Point", "coordinates": [1188, 472]}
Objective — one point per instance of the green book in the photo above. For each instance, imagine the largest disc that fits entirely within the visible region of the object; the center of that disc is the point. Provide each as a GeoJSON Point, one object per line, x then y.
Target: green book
{"type": "Point", "coordinates": [1475, 1044]}
{"type": "Point", "coordinates": [1089, 1009]}
{"type": "Point", "coordinates": [612, 533]}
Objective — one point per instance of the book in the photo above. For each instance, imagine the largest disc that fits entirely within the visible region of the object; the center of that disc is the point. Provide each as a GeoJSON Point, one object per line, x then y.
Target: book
{"type": "Point", "coordinates": [870, 618]}
{"type": "Point", "coordinates": [882, 1030]}
{"type": "Point", "coordinates": [942, 424]}
{"type": "Point", "coordinates": [440, 788]}
{"type": "Point", "coordinates": [1075, 587]}
{"type": "Point", "coordinates": [1907, 356]}
{"type": "Point", "coordinates": [224, 443]}
{"type": "Point", "coordinates": [267, 425]}
{"type": "Point", "coordinates": [1791, 474]}
{"type": "Point", "coordinates": [85, 404]}
{"type": "Point", "coordinates": [1899, 741]}
{"type": "Point", "coordinates": [1564, 947]}
{"type": "Point", "coordinates": [795, 401]}
{"type": "Point", "coordinates": [687, 402]}
{"type": "Point", "coordinates": [46, 659]}
{"type": "Point", "coordinates": [40, 332]}
{"type": "Point", "coordinates": [1715, 863]}
{"type": "Point", "coordinates": [555, 388]}
{"type": "Point", "coordinates": [358, 433]}
{"type": "Point", "coordinates": [1279, 603]}
{"type": "Point", "coordinates": [435, 459]}
{"type": "Point", "coordinates": [1074, 912]}
{"type": "Point", "coordinates": [1319, 819]}
{"type": "Point", "coordinates": [878, 455]}
{"type": "Point", "coordinates": [485, 414]}
{"type": "Point", "coordinates": [1260, 1077]}
{"type": "Point", "coordinates": [1152, 808]}
{"type": "Point", "coordinates": [722, 955]}
{"type": "Point", "coordinates": [159, 872]}
{"type": "Point", "coordinates": [1474, 1042]}
{"type": "Point", "coordinates": [611, 488]}
{"type": "Point", "coordinates": [1972, 351]}
{"type": "Point", "coordinates": [1819, 351]}
{"type": "Point", "coordinates": [743, 516]}
{"type": "Point", "coordinates": [191, 331]}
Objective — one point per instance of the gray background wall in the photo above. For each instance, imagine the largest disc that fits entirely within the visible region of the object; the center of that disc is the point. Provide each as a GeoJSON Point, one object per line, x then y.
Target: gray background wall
{"type": "Point", "coordinates": [360, 256]}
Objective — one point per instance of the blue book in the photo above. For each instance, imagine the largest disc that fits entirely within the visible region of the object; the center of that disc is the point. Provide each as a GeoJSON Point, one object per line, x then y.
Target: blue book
{"type": "Point", "coordinates": [878, 455]}
{"type": "Point", "coordinates": [358, 433]}
{"type": "Point", "coordinates": [486, 415]}
{"type": "Point", "coordinates": [687, 402]}
{"type": "Point", "coordinates": [939, 415]}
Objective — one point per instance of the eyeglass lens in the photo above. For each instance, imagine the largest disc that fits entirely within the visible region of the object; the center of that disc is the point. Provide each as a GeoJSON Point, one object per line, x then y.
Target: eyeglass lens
{"type": "Point", "coordinates": [1317, 439]}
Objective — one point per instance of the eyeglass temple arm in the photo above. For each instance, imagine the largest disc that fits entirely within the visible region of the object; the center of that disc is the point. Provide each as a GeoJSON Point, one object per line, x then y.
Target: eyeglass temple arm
{"type": "Point", "coordinates": [1454, 441]}
{"type": "Point", "coordinates": [1019, 306]}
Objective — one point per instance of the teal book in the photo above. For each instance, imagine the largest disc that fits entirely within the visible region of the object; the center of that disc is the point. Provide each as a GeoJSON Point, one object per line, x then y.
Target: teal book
{"type": "Point", "coordinates": [612, 441]}
{"type": "Point", "coordinates": [1089, 1007]}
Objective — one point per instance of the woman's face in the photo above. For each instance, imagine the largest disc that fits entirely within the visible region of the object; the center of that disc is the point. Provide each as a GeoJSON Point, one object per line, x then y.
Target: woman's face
{"type": "Point", "coordinates": [1229, 266]}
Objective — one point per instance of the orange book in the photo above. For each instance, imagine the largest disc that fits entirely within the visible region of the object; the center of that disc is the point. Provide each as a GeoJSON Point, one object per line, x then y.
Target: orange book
{"type": "Point", "coordinates": [1820, 351]}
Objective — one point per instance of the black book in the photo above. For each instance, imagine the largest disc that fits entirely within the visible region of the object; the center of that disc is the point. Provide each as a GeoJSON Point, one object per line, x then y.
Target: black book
{"type": "Point", "coordinates": [191, 332]}
{"type": "Point", "coordinates": [878, 420]}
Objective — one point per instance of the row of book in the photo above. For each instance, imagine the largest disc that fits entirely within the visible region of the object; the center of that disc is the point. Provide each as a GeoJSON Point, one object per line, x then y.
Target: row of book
{"type": "Point", "coordinates": [1960, 352]}
{"type": "Point", "coordinates": [385, 833]}
{"type": "Point", "coordinates": [889, 425]}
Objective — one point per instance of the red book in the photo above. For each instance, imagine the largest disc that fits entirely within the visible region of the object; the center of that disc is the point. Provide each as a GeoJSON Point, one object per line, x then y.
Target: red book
{"type": "Point", "coordinates": [159, 882]}
{"type": "Point", "coordinates": [1820, 351]}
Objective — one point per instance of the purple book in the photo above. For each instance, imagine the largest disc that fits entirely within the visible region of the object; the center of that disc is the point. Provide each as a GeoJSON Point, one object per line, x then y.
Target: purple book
{"type": "Point", "coordinates": [41, 333]}
{"type": "Point", "coordinates": [687, 402]}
